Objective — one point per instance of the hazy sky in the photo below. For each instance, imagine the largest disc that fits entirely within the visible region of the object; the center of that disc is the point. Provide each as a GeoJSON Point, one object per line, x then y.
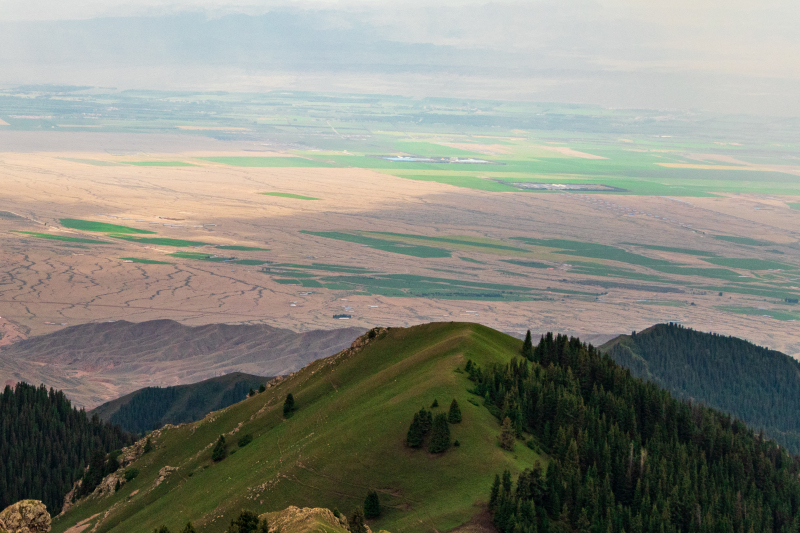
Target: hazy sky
{"type": "Point", "coordinates": [727, 55]}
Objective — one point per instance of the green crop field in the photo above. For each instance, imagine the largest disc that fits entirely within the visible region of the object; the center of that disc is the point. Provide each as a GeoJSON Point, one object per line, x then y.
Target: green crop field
{"type": "Point", "coordinates": [749, 264]}
{"type": "Point", "coordinates": [794, 206]}
{"type": "Point", "coordinates": [238, 248]}
{"type": "Point", "coordinates": [461, 241]}
{"type": "Point", "coordinates": [159, 163]}
{"type": "Point", "coordinates": [90, 225]}
{"type": "Point", "coordinates": [752, 311]}
{"type": "Point", "coordinates": [594, 251]}
{"type": "Point", "coordinates": [275, 162]}
{"type": "Point", "coordinates": [383, 244]}
{"type": "Point", "coordinates": [289, 195]}
{"type": "Point", "coordinates": [94, 162]}
{"type": "Point", "coordinates": [178, 243]}
{"type": "Point", "coordinates": [686, 251]}
{"type": "Point", "coordinates": [54, 237]}
{"type": "Point", "coordinates": [199, 256]}
{"type": "Point", "coordinates": [145, 261]}
{"type": "Point", "coordinates": [528, 264]}
{"type": "Point", "coordinates": [346, 437]}
{"type": "Point", "coordinates": [743, 240]}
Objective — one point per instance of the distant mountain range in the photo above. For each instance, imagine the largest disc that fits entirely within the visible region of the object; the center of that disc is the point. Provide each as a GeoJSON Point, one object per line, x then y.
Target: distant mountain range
{"type": "Point", "coordinates": [97, 362]}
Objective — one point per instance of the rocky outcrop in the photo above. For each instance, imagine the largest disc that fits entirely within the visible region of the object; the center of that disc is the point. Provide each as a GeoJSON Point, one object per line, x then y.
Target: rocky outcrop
{"type": "Point", "coordinates": [26, 516]}
{"type": "Point", "coordinates": [163, 474]}
{"type": "Point", "coordinates": [111, 482]}
{"type": "Point", "coordinates": [305, 520]}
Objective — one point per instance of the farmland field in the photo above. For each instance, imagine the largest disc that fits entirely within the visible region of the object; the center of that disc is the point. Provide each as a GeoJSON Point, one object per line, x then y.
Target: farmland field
{"type": "Point", "coordinates": [532, 216]}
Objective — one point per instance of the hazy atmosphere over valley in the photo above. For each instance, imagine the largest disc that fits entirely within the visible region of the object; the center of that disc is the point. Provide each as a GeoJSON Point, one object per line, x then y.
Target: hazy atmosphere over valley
{"type": "Point", "coordinates": [355, 266]}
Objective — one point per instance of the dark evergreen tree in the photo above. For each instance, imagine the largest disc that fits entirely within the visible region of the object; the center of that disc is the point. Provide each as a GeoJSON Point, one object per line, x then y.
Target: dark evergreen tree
{"type": "Point", "coordinates": [372, 505]}
{"type": "Point", "coordinates": [527, 347]}
{"type": "Point", "coordinates": [356, 521]}
{"type": "Point", "coordinates": [415, 435]}
{"type": "Point", "coordinates": [148, 446]}
{"type": "Point", "coordinates": [188, 528]}
{"type": "Point", "coordinates": [440, 435]}
{"type": "Point", "coordinates": [508, 436]}
{"type": "Point", "coordinates": [252, 392]}
{"type": "Point", "coordinates": [435, 403]}
{"type": "Point", "coordinates": [624, 456]}
{"type": "Point", "coordinates": [289, 406]}
{"type": "Point", "coordinates": [246, 522]}
{"type": "Point", "coordinates": [244, 440]}
{"type": "Point", "coordinates": [262, 388]}
{"type": "Point", "coordinates": [219, 452]}
{"type": "Point", "coordinates": [425, 420]}
{"type": "Point", "coordinates": [162, 529]}
{"type": "Point", "coordinates": [454, 416]}
{"type": "Point", "coordinates": [45, 444]}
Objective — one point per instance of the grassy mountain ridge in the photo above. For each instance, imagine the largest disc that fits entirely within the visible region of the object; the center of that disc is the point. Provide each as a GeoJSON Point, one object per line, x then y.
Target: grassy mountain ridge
{"type": "Point", "coordinates": [347, 437]}
{"type": "Point", "coordinates": [152, 407]}
{"type": "Point", "coordinates": [759, 386]}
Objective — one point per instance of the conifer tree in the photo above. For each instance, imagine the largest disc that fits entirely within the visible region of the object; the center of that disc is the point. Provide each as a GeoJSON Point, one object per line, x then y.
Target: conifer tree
{"type": "Point", "coordinates": [262, 388]}
{"type": "Point", "coordinates": [189, 528]}
{"type": "Point", "coordinates": [508, 435]}
{"type": "Point", "coordinates": [219, 452]}
{"type": "Point", "coordinates": [372, 505]}
{"type": "Point", "coordinates": [425, 420]}
{"type": "Point", "coordinates": [454, 416]}
{"type": "Point", "coordinates": [357, 521]}
{"type": "Point", "coordinates": [527, 347]}
{"type": "Point", "coordinates": [415, 435]}
{"type": "Point", "coordinates": [435, 403]}
{"type": "Point", "coordinates": [252, 392]}
{"type": "Point", "coordinates": [289, 406]}
{"type": "Point", "coordinates": [440, 435]}
{"type": "Point", "coordinates": [246, 522]}
{"type": "Point", "coordinates": [495, 494]}
{"type": "Point", "coordinates": [148, 446]}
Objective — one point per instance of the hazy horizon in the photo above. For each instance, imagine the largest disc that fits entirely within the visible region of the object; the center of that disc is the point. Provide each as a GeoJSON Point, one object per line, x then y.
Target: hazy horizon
{"type": "Point", "coordinates": [728, 58]}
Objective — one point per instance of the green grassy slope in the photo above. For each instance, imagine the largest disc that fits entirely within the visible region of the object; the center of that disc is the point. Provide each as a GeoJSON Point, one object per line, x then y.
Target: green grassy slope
{"type": "Point", "coordinates": [347, 437]}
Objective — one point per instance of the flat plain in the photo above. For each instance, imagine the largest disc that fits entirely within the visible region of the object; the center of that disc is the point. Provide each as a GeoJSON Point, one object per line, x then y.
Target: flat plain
{"type": "Point", "coordinates": [591, 233]}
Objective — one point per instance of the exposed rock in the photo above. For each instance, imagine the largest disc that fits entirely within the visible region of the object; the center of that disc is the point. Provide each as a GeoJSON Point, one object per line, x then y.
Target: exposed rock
{"type": "Point", "coordinates": [305, 520]}
{"type": "Point", "coordinates": [163, 474]}
{"type": "Point", "coordinates": [26, 516]}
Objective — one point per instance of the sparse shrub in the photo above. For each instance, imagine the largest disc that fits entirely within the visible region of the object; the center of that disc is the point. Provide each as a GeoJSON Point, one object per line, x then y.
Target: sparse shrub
{"type": "Point", "coordinates": [454, 416]}
{"type": "Point", "coordinates": [219, 452]}
{"type": "Point", "coordinates": [336, 512]}
{"type": "Point", "coordinates": [357, 521]}
{"type": "Point", "coordinates": [245, 440]}
{"type": "Point", "coordinates": [246, 522]}
{"type": "Point", "coordinates": [372, 333]}
{"type": "Point", "coordinates": [251, 393]}
{"type": "Point", "coordinates": [148, 446]}
{"type": "Point", "coordinates": [131, 473]}
{"type": "Point", "coordinates": [468, 367]}
{"type": "Point", "coordinates": [289, 406]}
{"type": "Point", "coordinates": [262, 388]}
{"type": "Point", "coordinates": [456, 443]}
{"type": "Point", "coordinates": [440, 435]}
{"type": "Point", "coordinates": [372, 505]}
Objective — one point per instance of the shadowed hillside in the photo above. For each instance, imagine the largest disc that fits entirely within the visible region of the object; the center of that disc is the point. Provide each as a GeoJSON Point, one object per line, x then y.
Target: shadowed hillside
{"type": "Point", "coordinates": [759, 386]}
{"type": "Point", "coordinates": [152, 407]}
{"type": "Point", "coordinates": [97, 362]}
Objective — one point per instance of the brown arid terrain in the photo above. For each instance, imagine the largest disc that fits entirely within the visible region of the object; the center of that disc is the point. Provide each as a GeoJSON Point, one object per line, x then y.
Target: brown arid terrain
{"type": "Point", "coordinates": [47, 285]}
{"type": "Point", "coordinates": [100, 361]}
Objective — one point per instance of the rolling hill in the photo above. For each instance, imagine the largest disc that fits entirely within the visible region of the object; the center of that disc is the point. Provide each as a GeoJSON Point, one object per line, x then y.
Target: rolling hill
{"type": "Point", "coordinates": [591, 447]}
{"type": "Point", "coordinates": [97, 362]}
{"type": "Point", "coordinates": [759, 386]}
{"type": "Point", "coordinates": [152, 407]}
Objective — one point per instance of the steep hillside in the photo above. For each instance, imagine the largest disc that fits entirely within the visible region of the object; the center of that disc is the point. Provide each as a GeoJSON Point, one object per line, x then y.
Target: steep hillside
{"type": "Point", "coordinates": [97, 362]}
{"type": "Point", "coordinates": [759, 386]}
{"type": "Point", "coordinates": [347, 436]}
{"type": "Point", "coordinates": [45, 444]}
{"type": "Point", "coordinates": [152, 407]}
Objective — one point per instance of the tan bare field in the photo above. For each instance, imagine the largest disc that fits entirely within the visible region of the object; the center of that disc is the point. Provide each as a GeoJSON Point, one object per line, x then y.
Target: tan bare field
{"type": "Point", "coordinates": [4, 123]}
{"type": "Point", "coordinates": [47, 283]}
{"type": "Point", "coordinates": [563, 150]}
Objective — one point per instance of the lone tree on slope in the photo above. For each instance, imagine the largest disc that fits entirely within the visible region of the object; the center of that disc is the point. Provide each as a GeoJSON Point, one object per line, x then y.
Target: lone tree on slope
{"type": "Point", "coordinates": [219, 452]}
{"type": "Point", "coordinates": [289, 406]}
{"type": "Point", "coordinates": [372, 505]}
